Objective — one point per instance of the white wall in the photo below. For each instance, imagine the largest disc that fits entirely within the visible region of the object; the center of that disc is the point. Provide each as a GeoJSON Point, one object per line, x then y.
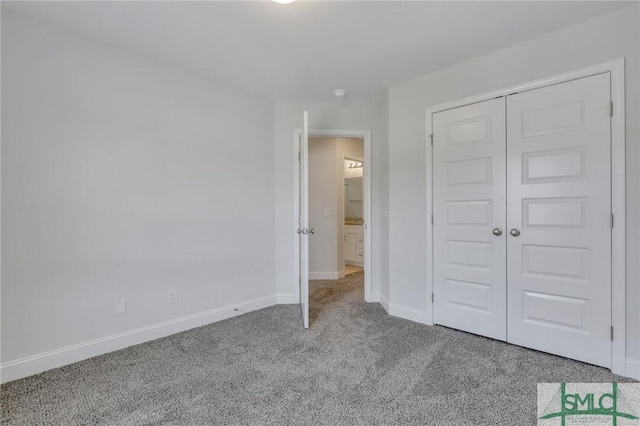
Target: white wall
{"type": "Point", "coordinates": [334, 115]}
{"type": "Point", "coordinates": [603, 39]}
{"type": "Point", "coordinates": [351, 148]}
{"type": "Point", "coordinates": [324, 193]}
{"type": "Point", "coordinates": [122, 178]}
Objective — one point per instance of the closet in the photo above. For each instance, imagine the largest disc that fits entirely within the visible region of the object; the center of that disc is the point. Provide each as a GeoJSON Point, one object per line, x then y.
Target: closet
{"type": "Point", "coordinates": [522, 219]}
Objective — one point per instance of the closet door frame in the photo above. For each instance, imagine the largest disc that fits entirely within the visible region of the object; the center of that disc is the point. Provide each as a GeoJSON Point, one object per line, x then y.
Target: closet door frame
{"type": "Point", "coordinates": [618, 262]}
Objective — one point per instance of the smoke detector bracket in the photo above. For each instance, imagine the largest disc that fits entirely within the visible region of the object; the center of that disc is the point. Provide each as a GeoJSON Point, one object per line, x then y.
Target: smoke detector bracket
{"type": "Point", "coordinates": [340, 93]}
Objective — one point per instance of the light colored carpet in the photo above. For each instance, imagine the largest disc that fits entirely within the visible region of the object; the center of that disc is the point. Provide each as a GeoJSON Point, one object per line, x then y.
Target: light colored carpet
{"type": "Point", "coordinates": [355, 365]}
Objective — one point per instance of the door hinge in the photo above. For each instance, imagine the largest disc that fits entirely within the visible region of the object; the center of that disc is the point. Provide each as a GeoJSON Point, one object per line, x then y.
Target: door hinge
{"type": "Point", "coordinates": [432, 218]}
{"type": "Point", "coordinates": [432, 298]}
{"type": "Point", "coordinates": [612, 333]}
{"type": "Point", "coordinates": [610, 109]}
{"type": "Point", "coordinates": [431, 137]}
{"type": "Point", "coordinates": [611, 220]}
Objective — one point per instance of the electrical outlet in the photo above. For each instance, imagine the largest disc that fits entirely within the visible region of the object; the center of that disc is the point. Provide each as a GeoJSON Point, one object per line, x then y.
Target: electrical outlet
{"type": "Point", "coordinates": [326, 212]}
{"type": "Point", "coordinates": [172, 295]}
{"type": "Point", "coordinates": [119, 307]}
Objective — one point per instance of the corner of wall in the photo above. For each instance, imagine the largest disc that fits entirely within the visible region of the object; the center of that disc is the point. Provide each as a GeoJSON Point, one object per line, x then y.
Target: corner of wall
{"type": "Point", "coordinates": [411, 314]}
{"type": "Point", "coordinates": [632, 368]}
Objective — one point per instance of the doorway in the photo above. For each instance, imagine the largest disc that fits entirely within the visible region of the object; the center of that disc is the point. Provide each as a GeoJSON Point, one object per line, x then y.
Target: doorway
{"type": "Point", "coordinates": [326, 214]}
{"type": "Point", "coordinates": [353, 184]}
{"type": "Point", "coordinates": [335, 206]}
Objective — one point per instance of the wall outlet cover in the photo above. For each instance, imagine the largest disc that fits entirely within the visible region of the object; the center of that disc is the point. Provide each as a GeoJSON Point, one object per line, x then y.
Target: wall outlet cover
{"type": "Point", "coordinates": [172, 295]}
{"type": "Point", "coordinates": [119, 307]}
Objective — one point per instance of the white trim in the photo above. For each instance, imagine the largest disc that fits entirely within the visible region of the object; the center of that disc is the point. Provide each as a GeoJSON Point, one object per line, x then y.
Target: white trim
{"type": "Point", "coordinates": [410, 314]}
{"type": "Point", "coordinates": [429, 232]}
{"type": "Point", "coordinates": [375, 295]}
{"type": "Point", "coordinates": [618, 208]}
{"type": "Point", "coordinates": [38, 363]}
{"type": "Point", "coordinates": [330, 275]}
{"type": "Point", "coordinates": [632, 368]}
{"type": "Point", "coordinates": [618, 264]}
{"type": "Point", "coordinates": [612, 66]}
{"type": "Point", "coordinates": [366, 136]}
{"type": "Point", "coordinates": [384, 302]}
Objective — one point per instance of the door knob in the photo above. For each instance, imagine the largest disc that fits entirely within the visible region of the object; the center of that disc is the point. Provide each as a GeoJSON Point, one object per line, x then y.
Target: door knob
{"type": "Point", "coordinates": [514, 232]}
{"type": "Point", "coordinates": [299, 231]}
{"type": "Point", "coordinates": [497, 231]}
{"type": "Point", "coordinates": [312, 231]}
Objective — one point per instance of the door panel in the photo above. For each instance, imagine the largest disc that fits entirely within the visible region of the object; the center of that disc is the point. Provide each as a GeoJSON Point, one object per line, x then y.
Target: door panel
{"type": "Point", "coordinates": [303, 219]}
{"type": "Point", "coordinates": [559, 266]}
{"type": "Point", "coordinates": [468, 202]}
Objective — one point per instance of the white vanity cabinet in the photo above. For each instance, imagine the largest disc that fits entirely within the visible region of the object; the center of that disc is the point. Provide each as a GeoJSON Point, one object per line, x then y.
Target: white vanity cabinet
{"type": "Point", "coordinates": [354, 245]}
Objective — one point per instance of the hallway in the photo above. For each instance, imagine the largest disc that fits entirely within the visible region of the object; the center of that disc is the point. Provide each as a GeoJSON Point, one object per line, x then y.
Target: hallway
{"type": "Point", "coordinates": [325, 296]}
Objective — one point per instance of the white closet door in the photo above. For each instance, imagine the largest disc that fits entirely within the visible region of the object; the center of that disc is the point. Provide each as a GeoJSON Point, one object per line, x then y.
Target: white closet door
{"type": "Point", "coordinates": [559, 266]}
{"type": "Point", "coordinates": [468, 205]}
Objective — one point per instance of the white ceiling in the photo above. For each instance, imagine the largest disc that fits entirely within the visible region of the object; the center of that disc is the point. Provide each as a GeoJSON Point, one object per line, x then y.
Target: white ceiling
{"type": "Point", "coordinates": [305, 50]}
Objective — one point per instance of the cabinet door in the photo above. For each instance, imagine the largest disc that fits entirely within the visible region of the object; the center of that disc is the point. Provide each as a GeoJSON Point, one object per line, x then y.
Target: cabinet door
{"type": "Point", "coordinates": [350, 247]}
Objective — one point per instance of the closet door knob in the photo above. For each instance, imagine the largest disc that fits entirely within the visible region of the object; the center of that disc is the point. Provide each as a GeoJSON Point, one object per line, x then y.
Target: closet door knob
{"type": "Point", "coordinates": [497, 231]}
{"type": "Point", "coordinates": [514, 232]}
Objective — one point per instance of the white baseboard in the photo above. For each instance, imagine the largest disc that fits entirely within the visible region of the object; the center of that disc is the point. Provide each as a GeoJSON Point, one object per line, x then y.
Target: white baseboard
{"type": "Point", "coordinates": [331, 275]}
{"type": "Point", "coordinates": [632, 368]}
{"type": "Point", "coordinates": [411, 314]}
{"type": "Point", "coordinates": [375, 297]}
{"type": "Point", "coordinates": [34, 364]}
{"type": "Point", "coordinates": [384, 302]}
{"type": "Point", "coordinates": [287, 298]}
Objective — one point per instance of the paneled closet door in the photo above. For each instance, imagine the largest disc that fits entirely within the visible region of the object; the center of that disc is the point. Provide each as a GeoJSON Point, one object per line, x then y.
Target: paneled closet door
{"type": "Point", "coordinates": [559, 205]}
{"type": "Point", "coordinates": [469, 217]}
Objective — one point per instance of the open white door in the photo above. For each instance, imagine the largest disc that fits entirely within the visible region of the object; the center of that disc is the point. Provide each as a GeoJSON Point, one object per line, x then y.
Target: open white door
{"type": "Point", "coordinates": [303, 219]}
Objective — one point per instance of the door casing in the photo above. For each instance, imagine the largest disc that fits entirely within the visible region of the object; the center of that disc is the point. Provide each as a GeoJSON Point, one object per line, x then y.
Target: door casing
{"type": "Point", "coordinates": [369, 295]}
{"type": "Point", "coordinates": [618, 236]}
